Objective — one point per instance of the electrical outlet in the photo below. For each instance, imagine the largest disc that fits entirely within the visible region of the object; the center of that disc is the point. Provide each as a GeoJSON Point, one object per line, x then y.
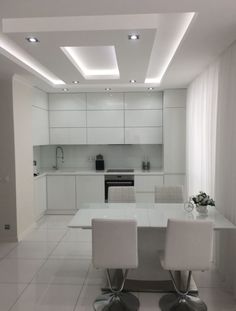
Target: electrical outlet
{"type": "Point", "coordinates": [7, 227]}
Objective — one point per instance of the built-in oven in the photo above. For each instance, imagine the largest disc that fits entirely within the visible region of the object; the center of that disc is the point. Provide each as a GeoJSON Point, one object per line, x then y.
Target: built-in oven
{"type": "Point", "coordinates": [118, 178]}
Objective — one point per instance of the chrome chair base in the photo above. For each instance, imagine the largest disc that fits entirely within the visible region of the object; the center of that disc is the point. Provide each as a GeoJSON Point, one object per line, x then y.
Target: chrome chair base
{"type": "Point", "coordinates": [175, 302]}
{"type": "Point", "coordinates": [116, 302]}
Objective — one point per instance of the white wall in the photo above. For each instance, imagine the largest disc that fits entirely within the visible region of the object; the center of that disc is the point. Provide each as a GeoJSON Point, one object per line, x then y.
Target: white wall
{"type": "Point", "coordinates": [116, 156]}
{"type": "Point", "coordinates": [23, 96]}
{"type": "Point", "coordinates": [7, 164]}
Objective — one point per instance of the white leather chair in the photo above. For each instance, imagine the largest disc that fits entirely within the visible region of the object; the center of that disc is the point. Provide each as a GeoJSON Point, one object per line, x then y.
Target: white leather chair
{"type": "Point", "coordinates": [188, 247]}
{"type": "Point", "coordinates": [114, 246]}
{"type": "Point", "coordinates": [121, 195]}
{"type": "Point", "coordinates": [169, 194]}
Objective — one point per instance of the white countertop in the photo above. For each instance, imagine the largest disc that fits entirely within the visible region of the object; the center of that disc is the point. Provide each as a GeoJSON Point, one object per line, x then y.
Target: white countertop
{"type": "Point", "coordinates": [76, 171]}
{"type": "Point", "coordinates": [147, 215]}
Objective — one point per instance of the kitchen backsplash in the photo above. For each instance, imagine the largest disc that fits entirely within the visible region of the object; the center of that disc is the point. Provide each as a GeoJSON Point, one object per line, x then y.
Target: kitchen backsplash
{"type": "Point", "coordinates": [115, 156]}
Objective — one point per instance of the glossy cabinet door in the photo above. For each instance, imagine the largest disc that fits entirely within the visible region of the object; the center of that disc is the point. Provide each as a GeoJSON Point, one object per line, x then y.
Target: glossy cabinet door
{"type": "Point", "coordinates": [89, 189]}
{"type": "Point", "coordinates": [66, 136]}
{"type": "Point", "coordinates": [105, 118]}
{"type": "Point", "coordinates": [67, 118]}
{"type": "Point", "coordinates": [174, 140]}
{"type": "Point", "coordinates": [143, 135]}
{"type": "Point", "coordinates": [61, 193]}
{"type": "Point", "coordinates": [143, 118]}
{"type": "Point", "coordinates": [67, 102]}
{"type": "Point", "coordinates": [104, 136]}
{"type": "Point", "coordinates": [105, 101]}
{"type": "Point", "coordinates": [143, 100]}
{"type": "Point", "coordinates": [40, 197]}
{"type": "Point", "coordinates": [40, 131]}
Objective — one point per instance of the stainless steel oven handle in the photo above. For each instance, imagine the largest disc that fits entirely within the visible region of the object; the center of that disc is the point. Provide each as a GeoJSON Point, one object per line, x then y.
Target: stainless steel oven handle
{"type": "Point", "coordinates": [110, 183]}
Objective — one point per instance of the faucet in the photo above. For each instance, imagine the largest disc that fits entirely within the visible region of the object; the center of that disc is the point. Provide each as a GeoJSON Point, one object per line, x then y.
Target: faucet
{"type": "Point", "coordinates": [59, 157]}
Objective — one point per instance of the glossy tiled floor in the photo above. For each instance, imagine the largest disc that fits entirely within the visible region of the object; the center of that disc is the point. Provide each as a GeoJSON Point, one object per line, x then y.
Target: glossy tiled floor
{"type": "Point", "coordinates": [51, 271]}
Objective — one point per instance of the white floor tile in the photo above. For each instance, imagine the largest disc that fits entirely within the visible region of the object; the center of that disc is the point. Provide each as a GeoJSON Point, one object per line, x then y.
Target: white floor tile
{"type": "Point", "coordinates": [78, 235]}
{"type": "Point", "coordinates": [72, 250]}
{"type": "Point", "coordinates": [149, 301]}
{"type": "Point", "coordinates": [87, 297]}
{"type": "Point", "coordinates": [55, 222]}
{"type": "Point", "coordinates": [96, 276]}
{"type": "Point", "coordinates": [39, 297]}
{"type": "Point", "coordinates": [217, 299]}
{"type": "Point", "coordinates": [209, 278]}
{"type": "Point", "coordinates": [46, 235]}
{"type": "Point", "coordinates": [32, 250]}
{"type": "Point", "coordinates": [18, 270]}
{"type": "Point", "coordinates": [63, 271]}
{"type": "Point", "coordinates": [9, 294]}
{"type": "Point", "coordinates": [5, 248]}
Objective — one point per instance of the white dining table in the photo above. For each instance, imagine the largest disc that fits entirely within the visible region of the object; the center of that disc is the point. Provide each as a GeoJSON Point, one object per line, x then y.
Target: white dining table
{"type": "Point", "coordinates": [152, 223]}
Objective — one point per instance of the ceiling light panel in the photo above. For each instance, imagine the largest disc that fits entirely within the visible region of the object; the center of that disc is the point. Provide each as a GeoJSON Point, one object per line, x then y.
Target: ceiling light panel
{"type": "Point", "coordinates": [94, 62]}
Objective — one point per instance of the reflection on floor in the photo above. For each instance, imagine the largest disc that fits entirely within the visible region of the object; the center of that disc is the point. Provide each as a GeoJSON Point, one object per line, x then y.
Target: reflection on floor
{"type": "Point", "coordinates": [51, 270]}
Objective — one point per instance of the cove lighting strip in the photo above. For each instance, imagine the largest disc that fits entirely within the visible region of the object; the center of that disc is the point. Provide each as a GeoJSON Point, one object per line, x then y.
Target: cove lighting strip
{"type": "Point", "coordinates": [187, 21]}
{"type": "Point", "coordinates": [11, 49]}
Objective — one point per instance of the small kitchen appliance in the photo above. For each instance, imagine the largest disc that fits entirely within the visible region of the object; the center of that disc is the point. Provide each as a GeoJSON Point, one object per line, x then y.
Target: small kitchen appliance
{"type": "Point", "coordinates": [99, 163]}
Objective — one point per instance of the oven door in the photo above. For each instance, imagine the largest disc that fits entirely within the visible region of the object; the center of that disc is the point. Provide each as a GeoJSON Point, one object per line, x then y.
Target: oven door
{"type": "Point", "coordinates": [118, 183]}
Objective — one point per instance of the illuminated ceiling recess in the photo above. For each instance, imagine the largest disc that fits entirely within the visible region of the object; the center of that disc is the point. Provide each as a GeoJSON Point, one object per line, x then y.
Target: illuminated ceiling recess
{"type": "Point", "coordinates": [94, 62]}
{"type": "Point", "coordinates": [13, 52]}
{"type": "Point", "coordinates": [156, 73]}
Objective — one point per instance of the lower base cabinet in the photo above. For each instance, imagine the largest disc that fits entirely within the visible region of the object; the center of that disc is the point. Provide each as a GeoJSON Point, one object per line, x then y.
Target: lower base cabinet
{"type": "Point", "coordinates": [89, 189]}
{"type": "Point", "coordinates": [61, 194]}
{"type": "Point", "coordinates": [40, 197]}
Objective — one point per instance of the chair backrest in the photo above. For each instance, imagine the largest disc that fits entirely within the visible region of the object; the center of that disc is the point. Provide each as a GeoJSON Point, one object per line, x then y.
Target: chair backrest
{"type": "Point", "coordinates": [188, 244]}
{"type": "Point", "coordinates": [121, 195]}
{"type": "Point", "coordinates": [169, 194]}
{"type": "Point", "coordinates": [114, 243]}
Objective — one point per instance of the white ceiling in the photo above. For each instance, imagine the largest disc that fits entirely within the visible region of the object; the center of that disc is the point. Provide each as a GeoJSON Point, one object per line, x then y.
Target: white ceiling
{"type": "Point", "coordinates": [60, 23]}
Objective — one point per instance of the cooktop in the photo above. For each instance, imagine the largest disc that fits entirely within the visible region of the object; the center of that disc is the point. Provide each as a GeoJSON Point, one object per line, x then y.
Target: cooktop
{"type": "Point", "coordinates": [120, 170]}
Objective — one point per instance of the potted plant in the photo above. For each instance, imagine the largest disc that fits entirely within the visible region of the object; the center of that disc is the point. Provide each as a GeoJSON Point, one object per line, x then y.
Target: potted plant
{"type": "Point", "coordinates": [201, 201]}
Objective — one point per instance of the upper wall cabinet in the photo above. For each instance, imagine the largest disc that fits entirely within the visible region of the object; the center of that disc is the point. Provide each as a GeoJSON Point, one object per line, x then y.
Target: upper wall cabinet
{"type": "Point", "coordinates": [141, 118]}
{"type": "Point", "coordinates": [174, 131]}
{"type": "Point", "coordinates": [40, 130]}
{"type": "Point", "coordinates": [105, 101]}
{"type": "Point", "coordinates": [106, 118]}
{"type": "Point", "coordinates": [143, 100]}
{"type": "Point", "coordinates": [67, 101]}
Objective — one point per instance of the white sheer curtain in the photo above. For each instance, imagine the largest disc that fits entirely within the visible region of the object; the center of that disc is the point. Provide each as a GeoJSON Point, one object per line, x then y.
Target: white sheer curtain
{"type": "Point", "coordinates": [201, 131]}
{"type": "Point", "coordinates": [226, 164]}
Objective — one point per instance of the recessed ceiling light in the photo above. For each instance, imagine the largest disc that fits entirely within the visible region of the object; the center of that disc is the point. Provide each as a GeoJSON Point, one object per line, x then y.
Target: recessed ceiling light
{"type": "Point", "coordinates": [107, 89]}
{"type": "Point", "coordinates": [151, 88]}
{"type": "Point", "coordinates": [32, 39]}
{"type": "Point", "coordinates": [133, 36]}
{"type": "Point", "coordinates": [132, 81]}
{"type": "Point", "coordinates": [65, 90]}
{"type": "Point", "coordinates": [75, 82]}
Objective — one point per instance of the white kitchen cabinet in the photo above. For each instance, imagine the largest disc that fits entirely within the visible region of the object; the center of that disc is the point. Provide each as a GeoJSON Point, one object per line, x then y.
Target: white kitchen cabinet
{"type": "Point", "coordinates": [67, 101]}
{"type": "Point", "coordinates": [142, 118]}
{"type": "Point", "coordinates": [104, 136]}
{"type": "Point", "coordinates": [174, 179]}
{"type": "Point", "coordinates": [61, 193]}
{"type": "Point", "coordinates": [40, 131]}
{"type": "Point", "coordinates": [174, 140]}
{"type": "Point", "coordinates": [105, 101]}
{"type": "Point", "coordinates": [89, 189]}
{"type": "Point", "coordinates": [175, 98]}
{"type": "Point", "coordinates": [67, 118]}
{"type": "Point", "coordinates": [143, 135]}
{"type": "Point", "coordinates": [40, 197]}
{"type": "Point", "coordinates": [143, 100]}
{"type": "Point", "coordinates": [147, 183]}
{"type": "Point", "coordinates": [145, 197]}
{"type": "Point", "coordinates": [65, 136]}
{"type": "Point", "coordinates": [106, 118]}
